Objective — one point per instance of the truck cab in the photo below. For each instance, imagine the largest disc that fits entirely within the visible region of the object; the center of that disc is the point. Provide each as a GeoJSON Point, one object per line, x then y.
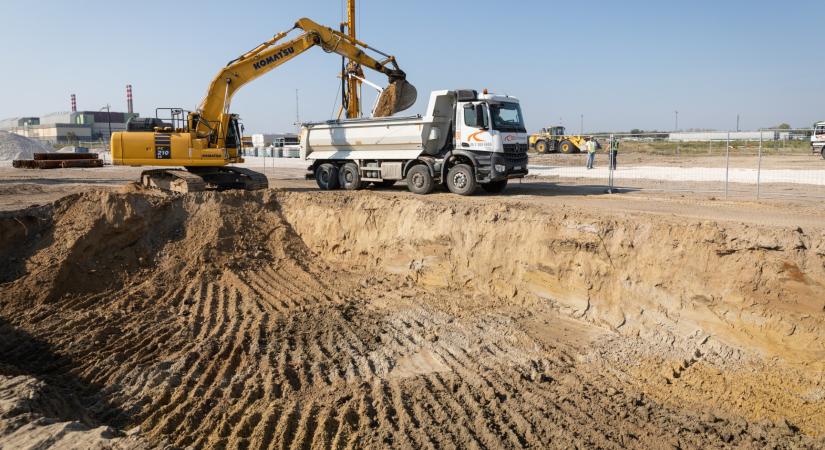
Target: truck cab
{"type": "Point", "coordinates": [818, 139]}
{"type": "Point", "coordinates": [490, 136]}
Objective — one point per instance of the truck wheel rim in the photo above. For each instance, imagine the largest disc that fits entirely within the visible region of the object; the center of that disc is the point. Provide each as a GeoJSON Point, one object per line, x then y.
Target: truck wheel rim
{"type": "Point", "coordinates": [418, 180]}
{"type": "Point", "coordinates": [460, 180]}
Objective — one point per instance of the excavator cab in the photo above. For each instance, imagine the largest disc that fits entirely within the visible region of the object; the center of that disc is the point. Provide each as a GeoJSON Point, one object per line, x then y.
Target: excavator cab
{"type": "Point", "coordinates": [233, 133]}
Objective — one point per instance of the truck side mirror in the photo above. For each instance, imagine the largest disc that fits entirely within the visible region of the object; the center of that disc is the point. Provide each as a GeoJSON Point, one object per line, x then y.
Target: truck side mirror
{"type": "Point", "coordinates": [480, 116]}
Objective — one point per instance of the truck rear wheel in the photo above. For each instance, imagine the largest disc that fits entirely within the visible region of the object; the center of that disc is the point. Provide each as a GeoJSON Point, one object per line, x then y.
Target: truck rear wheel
{"type": "Point", "coordinates": [460, 180]}
{"type": "Point", "coordinates": [495, 187]}
{"type": "Point", "coordinates": [349, 177]}
{"type": "Point", "coordinates": [419, 180]}
{"type": "Point", "coordinates": [568, 147]}
{"type": "Point", "coordinates": [326, 175]}
{"type": "Point", "coordinates": [822, 152]}
{"type": "Point", "coordinates": [541, 147]}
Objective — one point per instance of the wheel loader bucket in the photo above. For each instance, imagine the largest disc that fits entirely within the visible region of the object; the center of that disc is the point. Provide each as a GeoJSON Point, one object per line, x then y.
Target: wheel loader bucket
{"type": "Point", "coordinates": [398, 96]}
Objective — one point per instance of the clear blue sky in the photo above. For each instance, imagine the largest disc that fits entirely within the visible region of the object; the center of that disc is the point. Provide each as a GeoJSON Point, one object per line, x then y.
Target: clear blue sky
{"type": "Point", "coordinates": [623, 65]}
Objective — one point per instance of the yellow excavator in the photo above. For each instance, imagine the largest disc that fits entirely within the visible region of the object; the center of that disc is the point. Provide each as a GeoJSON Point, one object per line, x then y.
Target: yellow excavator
{"type": "Point", "coordinates": [204, 142]}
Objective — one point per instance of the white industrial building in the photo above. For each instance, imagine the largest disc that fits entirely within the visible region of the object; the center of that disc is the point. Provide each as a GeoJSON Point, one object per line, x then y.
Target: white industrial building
{"type": "Point", "coordinates": [275, 144]}
{"type": "Point", "coordinates": [276, 140]}
{"type": "Point", "coordinates": [68, 127]}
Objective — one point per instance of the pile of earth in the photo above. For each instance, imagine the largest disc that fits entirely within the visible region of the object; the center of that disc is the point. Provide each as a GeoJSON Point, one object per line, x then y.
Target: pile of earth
{"type": "Point", "coordinates": [13, 146]}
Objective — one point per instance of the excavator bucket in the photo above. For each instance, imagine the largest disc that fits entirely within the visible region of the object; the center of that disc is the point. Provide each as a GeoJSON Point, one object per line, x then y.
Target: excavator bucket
{"type": "Point", "coordinates": [398, 96]}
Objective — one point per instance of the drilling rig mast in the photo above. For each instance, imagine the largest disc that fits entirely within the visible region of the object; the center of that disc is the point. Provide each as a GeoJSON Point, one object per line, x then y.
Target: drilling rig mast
{"type": "Point", "coordinates": [350, 85]}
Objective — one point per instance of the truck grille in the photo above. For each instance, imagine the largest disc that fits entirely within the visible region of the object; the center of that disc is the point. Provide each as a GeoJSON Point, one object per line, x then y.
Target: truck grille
{"type": "Point", "coordinates": [516, 158]}
{"type": "Point", "coordinates": [515, 148]}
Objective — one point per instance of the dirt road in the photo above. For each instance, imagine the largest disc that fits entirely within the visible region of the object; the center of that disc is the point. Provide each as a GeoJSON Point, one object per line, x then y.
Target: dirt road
{"type": "Point", "coordinates": [294, 318]}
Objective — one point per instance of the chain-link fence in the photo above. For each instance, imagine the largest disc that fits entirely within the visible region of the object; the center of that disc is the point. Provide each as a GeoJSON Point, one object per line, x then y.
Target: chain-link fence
{"type": "Point", "coordinates": [767, 163]}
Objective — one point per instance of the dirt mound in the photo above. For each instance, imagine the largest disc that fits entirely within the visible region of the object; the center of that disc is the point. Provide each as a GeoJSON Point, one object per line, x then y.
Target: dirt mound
{"type": "Point", "coordinates": [28, 411]}
{"type": "Point", "coordinates": [13, 146]}
{"type": "Point", "coordinates": [245, 319]}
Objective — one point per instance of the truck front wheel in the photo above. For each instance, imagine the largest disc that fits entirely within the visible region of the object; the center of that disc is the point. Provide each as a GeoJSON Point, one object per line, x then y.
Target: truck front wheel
{"type": "Point", "coordinates": [419, 180]}
{"type": "Point", "coordinates": [350, 179]}
{"type": "Point", "coordinates": [494, 187]}
{"type": "Point", "coordinates": [822, 152]}
{"type": "Point", "coordinates": [460, 180]}
{"type": "Point", "coordinates": [326, 175]}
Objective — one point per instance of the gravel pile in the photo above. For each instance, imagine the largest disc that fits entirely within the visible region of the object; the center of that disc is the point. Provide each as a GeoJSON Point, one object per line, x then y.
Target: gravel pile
{"type": "Point", "coordinates": [13, 146]}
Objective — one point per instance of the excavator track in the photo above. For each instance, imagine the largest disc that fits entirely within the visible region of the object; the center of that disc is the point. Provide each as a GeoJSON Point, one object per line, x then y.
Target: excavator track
{"type": "Point", "coordinates": [196, 179]}
{"type": "Point", "coordinates": [179, 181]}
{"type": "Point", "coordinates": [251, 180]}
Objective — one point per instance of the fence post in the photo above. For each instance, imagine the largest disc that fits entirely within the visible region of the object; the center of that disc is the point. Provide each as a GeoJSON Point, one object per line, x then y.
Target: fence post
{"type": "Point", "coordinates": [759, 168]}
{"type": "Point", "coordinates": [610, 165]}
{"type": "Point", "coordinates": [727, 164]}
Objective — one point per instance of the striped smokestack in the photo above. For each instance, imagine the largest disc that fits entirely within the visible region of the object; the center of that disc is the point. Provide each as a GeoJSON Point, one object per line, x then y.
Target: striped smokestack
{"type": "Point", "coordinates": [74, 103]}
{"type": "Point", "coordinates": [129, 107]}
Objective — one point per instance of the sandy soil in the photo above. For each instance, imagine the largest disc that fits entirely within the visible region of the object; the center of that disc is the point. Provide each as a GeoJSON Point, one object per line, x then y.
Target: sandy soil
{"type": "Point", "coordinates": [548, 317]}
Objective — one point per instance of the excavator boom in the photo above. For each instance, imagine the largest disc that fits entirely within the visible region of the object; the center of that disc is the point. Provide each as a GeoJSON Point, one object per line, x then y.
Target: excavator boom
{"type": "Point", "coordinates": [271, 54]}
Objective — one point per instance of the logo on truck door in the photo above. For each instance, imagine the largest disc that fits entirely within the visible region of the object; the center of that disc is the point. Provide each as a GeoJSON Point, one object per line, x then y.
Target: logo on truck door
{"type": "Point", "coordinates": [474, 136]}
{"type": "Point", "coordinates": [475, 140]}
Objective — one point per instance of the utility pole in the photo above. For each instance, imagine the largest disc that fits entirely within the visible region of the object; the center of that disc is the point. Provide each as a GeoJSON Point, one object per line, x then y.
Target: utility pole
{"type": "Point", "coordinates": [581, 125]}
{"type": "Point", "coordinates": [297, 111]}
{"type": "Point", "coordinates": [737, 122]}
{"type": "Point", "coordinates": [676, 126]}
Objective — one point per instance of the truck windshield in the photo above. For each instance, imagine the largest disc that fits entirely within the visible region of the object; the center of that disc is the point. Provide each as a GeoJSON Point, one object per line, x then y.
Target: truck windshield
{"type": "Point", "coordinates": [507, 117]}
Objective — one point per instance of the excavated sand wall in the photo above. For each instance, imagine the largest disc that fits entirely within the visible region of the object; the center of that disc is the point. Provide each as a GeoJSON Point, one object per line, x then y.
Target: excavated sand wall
{"type": "Point", "coordinates": [663, 278]}
{"type": "Point", "coordinates": [235, 320]}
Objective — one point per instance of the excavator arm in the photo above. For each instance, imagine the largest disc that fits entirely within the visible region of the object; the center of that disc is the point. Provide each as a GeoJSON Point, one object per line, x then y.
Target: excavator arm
{"type": "Point", "coordinates": [271, 54]}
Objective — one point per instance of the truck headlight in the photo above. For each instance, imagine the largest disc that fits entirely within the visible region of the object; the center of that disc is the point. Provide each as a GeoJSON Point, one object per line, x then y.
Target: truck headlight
{"type": "Point", "coordinates": [500, 167]}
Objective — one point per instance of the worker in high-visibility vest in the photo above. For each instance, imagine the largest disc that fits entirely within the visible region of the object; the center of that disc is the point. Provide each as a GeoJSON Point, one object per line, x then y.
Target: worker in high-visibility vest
{"type": "Point", "coordinates": [590, 146]}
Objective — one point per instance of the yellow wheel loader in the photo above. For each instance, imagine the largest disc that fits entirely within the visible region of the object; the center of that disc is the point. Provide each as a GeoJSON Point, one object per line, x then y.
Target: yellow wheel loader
{"type": "Point", "coordinates": [199, 145]}
{"type": "Point", "coordinates": [554, 139]}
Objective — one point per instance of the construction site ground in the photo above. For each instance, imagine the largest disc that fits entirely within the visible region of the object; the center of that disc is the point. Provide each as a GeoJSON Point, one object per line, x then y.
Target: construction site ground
{"type": "Point", "coordinates": [548, 317]}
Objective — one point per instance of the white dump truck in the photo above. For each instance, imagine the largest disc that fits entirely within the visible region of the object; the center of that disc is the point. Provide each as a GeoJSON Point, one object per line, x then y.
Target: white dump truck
{"type": "Point", "coordinates": [465, 140]}
{"type": "Point", "coordinates": [818, 139]}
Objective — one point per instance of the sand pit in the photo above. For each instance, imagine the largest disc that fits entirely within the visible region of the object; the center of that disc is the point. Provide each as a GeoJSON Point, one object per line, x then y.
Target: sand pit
{"type": "Point", "coordinates": [256, 320]}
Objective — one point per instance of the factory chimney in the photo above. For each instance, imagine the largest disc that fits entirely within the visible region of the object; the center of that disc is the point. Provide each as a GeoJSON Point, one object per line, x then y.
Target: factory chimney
{"type": "Point", "coordinates": [74, 103]}
{"type": "Point", "coordinates": [129, 107]}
